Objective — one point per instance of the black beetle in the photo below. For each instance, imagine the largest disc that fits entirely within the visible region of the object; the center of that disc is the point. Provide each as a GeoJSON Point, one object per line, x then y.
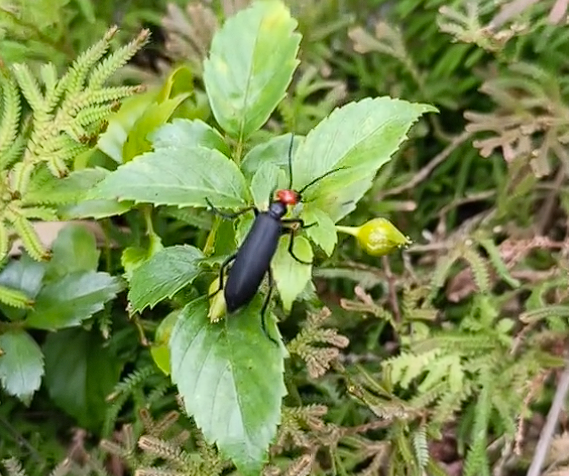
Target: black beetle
{"type": "Point", "coordinates": [253, 259]}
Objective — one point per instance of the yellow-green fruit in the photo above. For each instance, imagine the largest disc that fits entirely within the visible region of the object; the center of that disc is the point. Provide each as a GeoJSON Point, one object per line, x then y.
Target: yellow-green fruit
{"type": "Point", "coordinates": [216, 303]}
{"type": "Point", "coordinates": [377, 237]}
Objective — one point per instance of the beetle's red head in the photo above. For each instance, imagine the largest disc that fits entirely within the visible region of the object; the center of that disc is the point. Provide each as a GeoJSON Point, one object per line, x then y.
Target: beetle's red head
{"type": "Point", "coordinates": [288, 197]}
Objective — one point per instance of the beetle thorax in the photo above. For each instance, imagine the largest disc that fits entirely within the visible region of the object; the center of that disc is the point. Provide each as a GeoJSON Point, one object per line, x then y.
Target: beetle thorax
{"type": "Point", "coordinates": [288, 197]}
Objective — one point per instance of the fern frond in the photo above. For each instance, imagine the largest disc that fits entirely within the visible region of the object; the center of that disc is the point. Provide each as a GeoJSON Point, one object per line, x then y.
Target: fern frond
{"type": "Point", "coordinates": [30, 88]}
{"type": "Point", "coordinates": [498, 263]}
{"type": "Point", "coordinates": [165, 450]}
{"type": "Point", "coordinates": [14, 298]}
{"type": "Point", "coordinates": [29, 237]}
{"type": "Point", "coordinates": [4, 240]}
{"type": "Point", "coordinates": [116, 60]}
{"type": "Point", "coordinates": [48, 75]}
{"type": "Point", "coordinates": [75, 79]}
{"type": "Point", "coordinates": [40, 213]}
{"type": "Point", "coordinates": [442, 270]}
{"type": "Point", "coordinates": [476, 463]}
{"type": "Point", "coordinates": [421, 447]}
{"type": "Point", "coordinates": [14, 467]}
{"type": "Point", "coordinates": [11, 109]}
{"type": "Point", "coordinates": [479, 268]}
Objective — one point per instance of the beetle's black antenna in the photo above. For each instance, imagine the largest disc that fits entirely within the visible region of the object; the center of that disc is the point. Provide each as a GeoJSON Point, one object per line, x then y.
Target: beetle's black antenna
{"type": "Point", "coordinates": [317, 179]}
{"type": "Point", "coordinates": [290, 162]}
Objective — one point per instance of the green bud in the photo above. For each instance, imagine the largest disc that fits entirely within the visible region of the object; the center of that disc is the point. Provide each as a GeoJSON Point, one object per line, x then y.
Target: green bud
{"type": "Point", "coordinates": [377, 237]}
{"type": "Point", "coordinates": [216, 303]}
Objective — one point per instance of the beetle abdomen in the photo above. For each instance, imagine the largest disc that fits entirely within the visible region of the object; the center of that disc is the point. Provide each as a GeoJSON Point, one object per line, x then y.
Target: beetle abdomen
{"type": "Point", "coordinates": [252, 261]}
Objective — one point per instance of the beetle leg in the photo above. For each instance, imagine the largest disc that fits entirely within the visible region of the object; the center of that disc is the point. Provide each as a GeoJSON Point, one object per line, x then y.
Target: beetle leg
{"type": "Point", "coordinates": [227, 216]}
{"type": "Point", "coordinates": [300, 221]}
{"type": "Point", "coordinates": [291, 247]}
{"type": "Point", "coordinates": [266, 305]}
{"type": "Point", "coordinates": [224, 265]}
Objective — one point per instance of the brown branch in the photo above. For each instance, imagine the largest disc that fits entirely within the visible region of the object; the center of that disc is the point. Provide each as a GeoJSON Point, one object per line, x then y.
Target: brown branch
{"type": "Point", "coordinates": [550, 423]}
{"type": "Point", "coordinates": [508, 11]}
{"type": "Point", "coordinates": [428, 169]}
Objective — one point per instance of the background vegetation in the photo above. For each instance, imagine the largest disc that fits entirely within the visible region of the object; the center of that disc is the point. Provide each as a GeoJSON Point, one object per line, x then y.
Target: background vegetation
{"type": "Point", "coordinates": [446, 358]}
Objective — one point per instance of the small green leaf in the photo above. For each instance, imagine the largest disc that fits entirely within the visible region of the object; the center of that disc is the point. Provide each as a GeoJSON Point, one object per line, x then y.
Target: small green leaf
{"type": "Point", "coordinates": [163, 275]}
{"type": "Point", "coordinates": [231, 378]}
{"type": "Point", "coordinates": [324, 233]}
{"type": "Point", "coordinates": [21, 364]}
{"type": "Point", "coordinates": [178, 176]}
{"type": "Point", "coordinates": [160, 351]}
{"type": "Point", "coordinates": [361, 137]}
{"type": "Point", "coordinates": [154, 116]}
{"type": "Point", "coordinates": [70, 192]}
{"type": "Point", "coordinates": [71, 189]}
{"type": "Point", "coordinates": [185, 133]}
{"type": "Point", "coordinates": [265, 181]}
{"type": "Point", "coordinates": [111, 142]}
{"type": "Point", "coordinates": [96, 209]}
{"type": "Point", "coordinates": [291, 276]}
{"type": "Point", "coordinates": [72, 299]}
{"type": "Point", "coordinates": [274, 151]}
{"type": "Point", "coordinates": [80, 371]}
{"type": "Point", "coordinates": [250, 66]}
{"type": "Point", "coordinates": [74, 249]}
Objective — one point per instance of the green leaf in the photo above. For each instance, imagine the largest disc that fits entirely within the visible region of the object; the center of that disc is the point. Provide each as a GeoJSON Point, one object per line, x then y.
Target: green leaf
{"type": "Point", "coordinates": [96, 209]}
{"type": "Point", "coordinates": [72, 299]}
{"type": "Point", "coordinates": [80, 372]}
{"type": "Point", "coordinates": [74, 249]}
{"type": "Point", "coordinates": [163, 275]}
{"type": "Point", "coordinates": [154, 116]}
{"type": "Point", "coordinates": [160, 351]}
{"type": "Point", "coordinates": [21, 364]}
{"type": "Point", "coordinates": [111, 142]}
{"type": "Point", "coordinates": [361, 137]}
{"type": "Point", "coordinates": [274, 151]}
{"type": "Point", "coordinates": [24, 274]}
{"type": "Point", "coordinates": [291, 277]}
{"type": "Point", "coordinates": [185, 133]}
{"type": "Point", "coordinates": [265, 181]}
{"type": "Point", "coordinates": [70, 192]}
{"type": "Point", "coordinates": [66, 190]}
{"type": "Point", "coordinates": [178, 176]}
{"type": "Point", "coordinates": [251, 63]}
{"type": "Point", "coordinates": [231, 378]}
{"type": "Point", "coordinates": [324, 233]}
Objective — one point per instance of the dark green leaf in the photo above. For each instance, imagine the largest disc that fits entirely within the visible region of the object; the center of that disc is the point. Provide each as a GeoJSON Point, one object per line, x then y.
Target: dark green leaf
{"type": "Point", "coordinates": [274, 151]}
{"type": "Point", "coordinates": [265, 181]}
{"type": "Point", "coordinates": [231, 378]}
{"type": "Point", "coordinates": [74, 249]}
{"type": "Point", "coordinates": [178, 176]}
{"type": "Point", "coordinates": [324, 233]}
{"type": "Point", "coordinates": [154, 116]}
{"type": "Point", "coordinates": [21, 364]}
{"type": "Point", "coordinates": [121, 122]}
{"type": "Point", "coordinates": [72, 299]}
{"type": "Point", "coordinates": [25, 275]}
{"type": "Point", "coordinates": [361, 137]}
{"type": "Point", "coordinates": [80, 372]}
{"type": "Point", "coordinates": [250, 66]}
{"type": "Point", "coordinates": [95, 209]}
{"type": "Point", "coordinates": [163, 275]}
{"type": "Point", "coordinates": [185, 133]}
